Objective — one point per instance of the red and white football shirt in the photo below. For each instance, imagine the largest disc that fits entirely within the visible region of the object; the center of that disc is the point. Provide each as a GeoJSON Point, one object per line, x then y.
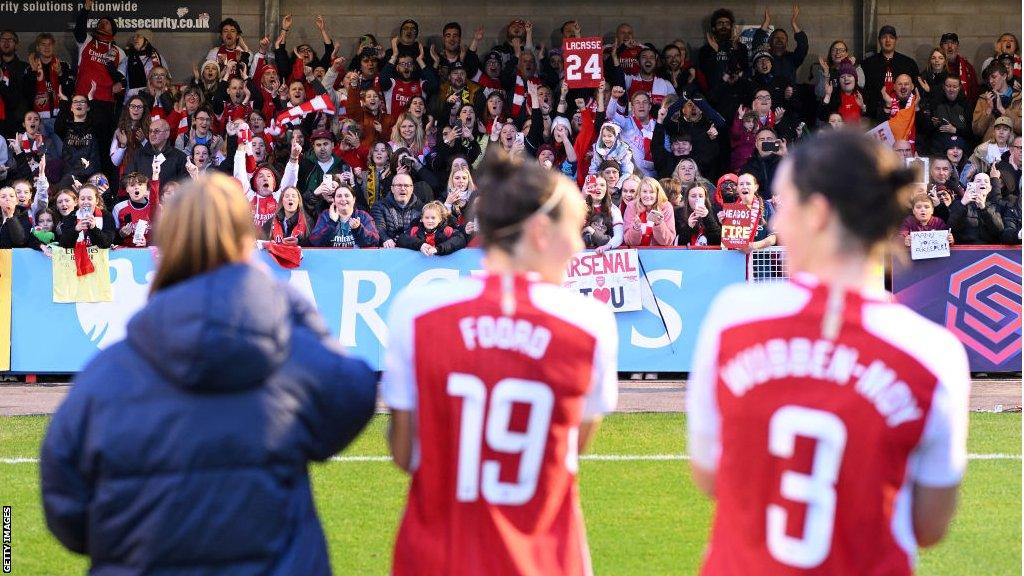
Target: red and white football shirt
{"type": "Point", "coordinates": [817, 436]}
{"type": "Point", "coordinates": [500, 372]}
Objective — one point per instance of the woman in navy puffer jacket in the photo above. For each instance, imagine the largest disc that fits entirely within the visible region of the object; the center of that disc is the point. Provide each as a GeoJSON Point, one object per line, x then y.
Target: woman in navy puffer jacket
{"type": "Point", "coordinates": [184, 449]}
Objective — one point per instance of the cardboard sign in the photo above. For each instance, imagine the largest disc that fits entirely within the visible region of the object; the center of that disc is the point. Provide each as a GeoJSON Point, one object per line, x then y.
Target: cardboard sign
{"type": "Point", "coordinates": [582, 61]}
{"type": "Point", "coordinates": [612, 278]}
{"type": "Point", "coordinates": [929, 244]}
{"type": "Point", "coordinates": [739, 224]}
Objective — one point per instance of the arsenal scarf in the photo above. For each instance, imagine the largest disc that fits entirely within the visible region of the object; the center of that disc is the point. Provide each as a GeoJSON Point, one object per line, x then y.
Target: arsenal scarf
{"type": "Point", "coordinates": [295, 114]}
{"type": "Point", "coordinates": [277, 233]}
{"type": "Point", "coordinates": [83, 265]}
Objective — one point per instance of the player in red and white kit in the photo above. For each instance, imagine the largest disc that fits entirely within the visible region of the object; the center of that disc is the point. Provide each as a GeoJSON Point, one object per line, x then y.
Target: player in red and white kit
{"type": "Point", "coordinates": [828, 422]}
{"type": "Point", "coordinates": [495, 385]}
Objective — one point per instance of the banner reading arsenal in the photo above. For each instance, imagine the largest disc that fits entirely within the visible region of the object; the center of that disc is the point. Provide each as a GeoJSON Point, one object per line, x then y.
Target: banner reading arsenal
{"type": "Point", "coordinates": [581, 59]}
{"type": "Point", "coordinates": [612, 277]}
{"type": "Point", "coordinates": [739, 224]}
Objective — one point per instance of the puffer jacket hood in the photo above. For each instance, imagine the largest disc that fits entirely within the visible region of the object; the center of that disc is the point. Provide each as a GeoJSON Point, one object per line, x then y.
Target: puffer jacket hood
{"type": "Point", "coordinates": [223, 331]}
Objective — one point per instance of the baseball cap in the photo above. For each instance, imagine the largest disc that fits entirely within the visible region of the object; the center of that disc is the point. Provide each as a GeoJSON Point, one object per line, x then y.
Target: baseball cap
{"type": "Point", "coordinates": [761, 54]}
{"type": "Point", "coordinates": [1004, 121]}
{"type": "Point", "coordinates": [888, 29]}
{"type": "Point", "coordinates": [951, 141]}
{"type": "Point", "coordinates": [322, 135]}
{"type": "Point", "coordinates": [949, 37]}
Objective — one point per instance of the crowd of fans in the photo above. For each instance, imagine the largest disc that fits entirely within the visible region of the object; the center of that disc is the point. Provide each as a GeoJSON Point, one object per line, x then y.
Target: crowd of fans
{"type": "Point", "coordinates": [377, 148]}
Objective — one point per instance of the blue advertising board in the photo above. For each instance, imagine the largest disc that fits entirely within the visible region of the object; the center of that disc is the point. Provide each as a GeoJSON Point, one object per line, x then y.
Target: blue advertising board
{"type": "Point", "coordinates": [353, 290]}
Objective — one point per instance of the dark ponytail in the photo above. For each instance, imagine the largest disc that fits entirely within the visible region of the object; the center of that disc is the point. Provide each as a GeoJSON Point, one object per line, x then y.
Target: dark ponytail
{"type": "Point", "coordinates": [866, 183]}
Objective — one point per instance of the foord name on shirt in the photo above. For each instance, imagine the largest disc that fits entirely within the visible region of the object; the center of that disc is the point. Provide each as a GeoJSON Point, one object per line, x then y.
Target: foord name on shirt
{"type": "Point", "coordinates": [505, 333]}
{"type": "Point", "coordinates": [822, 360]}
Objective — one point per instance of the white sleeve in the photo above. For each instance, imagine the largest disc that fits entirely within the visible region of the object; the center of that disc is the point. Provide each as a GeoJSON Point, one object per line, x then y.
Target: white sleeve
{"type": "Point", "coordinates": [703, 419]}
{"type": "Point", "coordinates": [289, 178]}
{"type": "Point", "coordinates": [239, 171]}
{"type": "Point", "coordinates": [398, 384]}
{"type": "Point", "coordinates": [116, 152]}
{"type": "Point", "coordinates": [211, 56]}
{"type": "Point", "coordinates": [604, 390]}
{"type": "Point", "coordinates": [941, 455]}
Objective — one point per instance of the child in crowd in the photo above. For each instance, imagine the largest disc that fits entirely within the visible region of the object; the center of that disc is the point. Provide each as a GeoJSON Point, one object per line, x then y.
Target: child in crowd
{"type": "Point", "coordinates": [133, 217]}
{"type": "Point", "coordinates": [609, 146]}
{"type": "Point", "coordinates": [922, 219]}
{"type": "Point", "coordinates": [434, 236]}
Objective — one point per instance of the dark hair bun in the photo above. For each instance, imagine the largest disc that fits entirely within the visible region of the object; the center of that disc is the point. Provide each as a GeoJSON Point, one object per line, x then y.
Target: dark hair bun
{"type": "Point", "coordinates": [865, 182]}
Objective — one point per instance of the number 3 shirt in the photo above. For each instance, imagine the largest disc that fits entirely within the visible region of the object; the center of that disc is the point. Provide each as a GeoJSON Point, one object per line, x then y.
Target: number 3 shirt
{"type": "Point", "coordinates": [500, 372]}
{"type": "Point", "coordinates": [818, 414]}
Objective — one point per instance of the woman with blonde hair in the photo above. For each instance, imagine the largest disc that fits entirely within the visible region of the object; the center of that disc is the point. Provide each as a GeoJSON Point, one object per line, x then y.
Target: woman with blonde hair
{"type": "Point", "coordinates": [408, 133]}
{"type": "Point", "coordinates": [231, 385]}
{"type": "Point", "coordinates": [649, 218]}
{"type": "Point", "coordinates": [461, 190]}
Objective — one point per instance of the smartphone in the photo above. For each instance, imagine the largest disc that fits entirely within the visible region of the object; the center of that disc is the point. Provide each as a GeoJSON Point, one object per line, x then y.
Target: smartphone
{"type": "Point", "coordinates": [520, 138]}
{"type": "Point", "coordinates": [772, 146]}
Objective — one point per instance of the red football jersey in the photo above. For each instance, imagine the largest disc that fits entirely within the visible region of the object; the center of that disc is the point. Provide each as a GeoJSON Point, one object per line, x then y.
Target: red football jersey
{"type": "Point", "coordinates": [818, 414]}
{"type": "Point", "coordinates": [500, 372]}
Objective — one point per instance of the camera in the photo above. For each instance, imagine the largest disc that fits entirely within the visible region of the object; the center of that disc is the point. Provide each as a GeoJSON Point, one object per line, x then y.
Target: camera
{"type": "Point", "coordinates": [408, 163]}
{"type": "Point", "coordinates": [772, 146]}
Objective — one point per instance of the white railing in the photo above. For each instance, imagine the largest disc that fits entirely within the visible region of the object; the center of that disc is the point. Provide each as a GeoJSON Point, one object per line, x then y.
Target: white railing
{"type": "Point", "coordinates": [767, 265]}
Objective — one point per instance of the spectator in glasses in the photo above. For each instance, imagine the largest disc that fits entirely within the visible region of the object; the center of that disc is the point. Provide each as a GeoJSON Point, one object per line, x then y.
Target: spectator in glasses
{"type": "Point", "coordinates": [172, 167]}
{"type": "Point", "coordinates": [828, 68]}
{"type": "Point", "coordinates": [397, 212]}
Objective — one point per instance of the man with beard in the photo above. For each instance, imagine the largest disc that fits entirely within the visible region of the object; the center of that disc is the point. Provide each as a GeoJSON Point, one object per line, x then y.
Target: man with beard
{"type": "Point", "coordinates": [722, 58]}
{"type": "Point", "coordinates": [882, 69]}
{"type": "Point", "coordinates": [959, 67]}
{"type": "Point", "coordinates": [495, 76]}
{"type": "Point", "coordinates": [172, 167]}
{"type": "Point", "coordinates": [458, 90]}
{"type": "Point", "coordinates": [644, 80]}
{"type": "Point", "coordinates": [405, 77]}
{"type": "Point", "coordinates": [12, 74]}
{"type": "Point", "coordinates": [785, 63]}
{"type": "Point", "coordinates": [318, 166]}
{"type": "Point", "coordinates": [518, 32]}
{"type": "Point", "coordinates": [452, 49]}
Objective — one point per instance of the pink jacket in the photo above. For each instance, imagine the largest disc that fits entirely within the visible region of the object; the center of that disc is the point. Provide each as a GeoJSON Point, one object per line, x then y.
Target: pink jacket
{"type": "Point", "coordinates": [663, 234]}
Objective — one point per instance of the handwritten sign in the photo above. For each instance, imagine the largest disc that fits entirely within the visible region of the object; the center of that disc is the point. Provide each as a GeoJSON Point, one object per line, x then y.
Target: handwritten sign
{"type": "Point", "coordinates": [612, 278]}
{"type": "Point", "coordinates": [739, 224]}
{"type": "Point", "coordinates": [929, 244]}
{"type": "Point", "coordinates": [581, 59]}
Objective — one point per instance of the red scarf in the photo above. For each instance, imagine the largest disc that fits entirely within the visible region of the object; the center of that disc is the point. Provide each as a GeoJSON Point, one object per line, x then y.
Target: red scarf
{"type": "Point", "coordinates": [277, 230]}
{"type": "Point", "coordinates": [83, 265]}
{"type": "Point", "coordinates": [647, 229]}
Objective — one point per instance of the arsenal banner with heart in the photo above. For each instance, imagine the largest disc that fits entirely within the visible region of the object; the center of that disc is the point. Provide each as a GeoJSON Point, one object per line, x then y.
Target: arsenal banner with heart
{"type": "Point", "coordinates": [612, 278]}
{"type": "Point", "coordinates": [739, 224]}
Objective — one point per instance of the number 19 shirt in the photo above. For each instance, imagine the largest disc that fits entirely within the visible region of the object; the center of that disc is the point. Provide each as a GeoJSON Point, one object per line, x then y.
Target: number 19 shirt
{"type": "Point", "coordinates": [499, 372]}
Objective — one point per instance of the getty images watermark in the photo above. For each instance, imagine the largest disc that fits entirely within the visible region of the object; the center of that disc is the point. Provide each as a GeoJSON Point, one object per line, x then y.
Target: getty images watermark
{"type": "Point", "coordinates": [7, 539]}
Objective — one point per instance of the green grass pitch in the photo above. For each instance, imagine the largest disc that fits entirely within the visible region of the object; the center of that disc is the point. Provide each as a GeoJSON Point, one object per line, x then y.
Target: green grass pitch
{"type": "Point", "coordinates": [643, 517]}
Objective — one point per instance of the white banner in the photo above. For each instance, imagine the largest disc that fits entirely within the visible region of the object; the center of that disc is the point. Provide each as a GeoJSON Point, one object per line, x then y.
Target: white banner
{"type": "Point", "coordinates": [929, 244]}
{"type": "Point", "coordinates": [612, 278]}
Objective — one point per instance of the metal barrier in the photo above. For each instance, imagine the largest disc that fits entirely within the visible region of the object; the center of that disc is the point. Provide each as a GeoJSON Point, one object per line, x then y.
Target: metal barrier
{"type": "Point", "coordinates": [767, 265]}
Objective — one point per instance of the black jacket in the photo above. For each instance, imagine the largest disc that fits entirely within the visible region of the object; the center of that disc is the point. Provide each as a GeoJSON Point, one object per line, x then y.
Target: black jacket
{"type": "Point", "coordinates": [234, 386]}
{"type": "Point", "coordinates": [712, 227]}
{"type": "Point", "coordinates": [762, 168]}
{"type": "Point", "coordinates": [172, 169]}
{"type": "Point", "coordinates": [98, 237]}
{"type": "Point", "coordinates": [12, 233]}
{"type": "Point", "coordinates": [446, 238]}
{"type": "Point", "coordinates": [393, 219]}
{"type": "Point", "coordinates": [973, 225]}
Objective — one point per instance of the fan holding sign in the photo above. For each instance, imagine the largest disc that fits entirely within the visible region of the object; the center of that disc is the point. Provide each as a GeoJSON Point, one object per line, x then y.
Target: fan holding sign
{"type": "Point", "coordinates": [581, 59]}
{"type": "Point", "coordinates": [744, 226]}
